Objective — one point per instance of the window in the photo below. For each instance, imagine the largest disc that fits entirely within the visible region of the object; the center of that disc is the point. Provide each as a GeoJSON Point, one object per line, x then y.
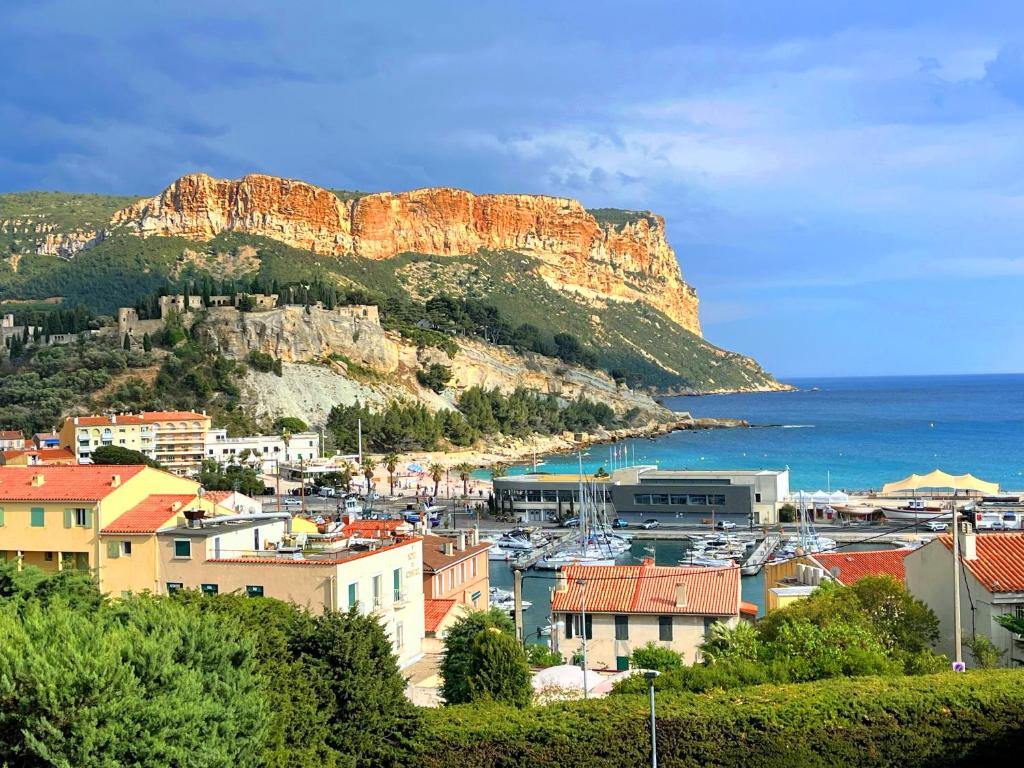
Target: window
{"type": "Point", "coordinates": [82, 518]}
{"type": "Point", "coordinates": [182, 548]}
{"type": "Point", "coordinates": [378, 596]}
{"type": "Point", "coordinates": [174, 586]}
{"type": "Point", "coordinates": [1018, 611]}
{"type": "Point", "coordinates": [717, 500]}
{"type": "Point", "coordinates": [698, 500]}
{"type": "Point", "coordinates": [396, 584]}
{"type": "Point", "coordinates": [641, 498]}
{"type": "Point", "coordinates": [48, 557]}
{"type": "Point", "coordinates": [353, 594]}
{"type": "Point", "coordinates": [659, 498]}
{"type": "Point", "coordinates": [577, 626]}
{"type": "Point", "coordinates": [1, 517]}
{"type": "Point", "coordinates": [254, 590]}
{"type": "Point", "coordinates": [399, 636]}
{"type": "Point", "coordinates": [126, 548]}
{"type": "Point", "coordinates": [665, 628]}
{"type": "Point", "coordinates": [38, 517]}
{"type": "Point", "coordinates": [679, 499]}
{"type": "Point", "coordinates": [622, 663]}
{"type": "Point", "coordinates": [622, 627]}
{"type": "Point", "coordinates": [549, 495]}
{"type": "Point", "coordinates": [472, 568]}
{"type": "Point", "coordinates": [757, 498]}
{"type": "Point", "coordinates": [209, 589]}
{"type": "Point", "coordinates": [533, 494]}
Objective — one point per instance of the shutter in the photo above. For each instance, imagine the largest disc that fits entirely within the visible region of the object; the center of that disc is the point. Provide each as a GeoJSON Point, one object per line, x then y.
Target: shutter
{"type": "Point", "coordinates": [113, 549]}
{"type": "Point", "coordinates": [69, 518]}
{"type": "Point", "coordinates": [1, 517]}
{"type": "Point", "coordinates": [88, 518]}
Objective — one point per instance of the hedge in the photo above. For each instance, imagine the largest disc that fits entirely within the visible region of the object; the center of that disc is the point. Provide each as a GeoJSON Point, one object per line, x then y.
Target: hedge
{"type": "Point", "coordinates": [931, 720]}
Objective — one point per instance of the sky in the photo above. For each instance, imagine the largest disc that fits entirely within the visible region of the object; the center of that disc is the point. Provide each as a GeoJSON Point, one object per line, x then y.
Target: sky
{"type": "Point", "coordinates": [842, 182]}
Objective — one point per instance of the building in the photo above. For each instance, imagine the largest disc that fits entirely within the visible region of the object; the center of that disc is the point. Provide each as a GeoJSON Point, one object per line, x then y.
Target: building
{"type": "Point", "coordinates": [37, 457]}
{"type": "Point", "coordinates": [992, 584]}
{"type": "Point", "coordinates": [46, 439]}
{"type": "Point", "coordinates": [265, 452]}
{"type": "Point", "coordinates": [92, 518]}
{"type": "Point", "coordinates": [622, 608]}
{"type": "Point", "coordinates": [681, 496]}
{"type": "Point", "coordinates": [176, 439]}
{"type": "Point", "coordinates": [234, 501]}
{"type": "Point", "coordinates": [455, 574]}
{"type": "Point", "coordinates": [12, 440]}
{"type": "Point", "coordinates": [258, 556]}
{"type": "Point", "coordinates": [788, 580]}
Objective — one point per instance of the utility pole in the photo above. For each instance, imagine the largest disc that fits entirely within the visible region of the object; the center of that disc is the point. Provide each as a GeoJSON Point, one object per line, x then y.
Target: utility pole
{"type": "Point", "coordinates": [958, 651]}
{"type": "Point", "coordinates": [359, 427]}
{"type": "Point", "coordinates": [583, 631]}
{"type": "Point", "coordinates": [650, 675]}
{"type": "Point", "coordinates": [517, 574]}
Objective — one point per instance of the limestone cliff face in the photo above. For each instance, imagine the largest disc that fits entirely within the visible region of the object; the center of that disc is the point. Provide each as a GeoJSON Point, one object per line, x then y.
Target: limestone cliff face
{"type": "Point", "coordinates": [632, 262]}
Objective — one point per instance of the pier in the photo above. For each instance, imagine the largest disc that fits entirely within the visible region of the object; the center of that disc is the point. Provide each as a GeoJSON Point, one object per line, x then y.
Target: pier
{"type": "Point", "coordinates": [531, 560]}
{"type": "Point", "coordinates": [760, 555]}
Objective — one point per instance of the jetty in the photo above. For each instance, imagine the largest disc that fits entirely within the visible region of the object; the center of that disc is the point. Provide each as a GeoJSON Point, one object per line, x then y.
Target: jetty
{"type": "Point", "coordinates": [764, 549]}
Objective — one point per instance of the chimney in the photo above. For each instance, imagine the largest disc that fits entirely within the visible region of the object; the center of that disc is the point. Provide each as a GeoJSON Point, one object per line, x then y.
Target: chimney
{"type": "Point", "coordinates": [476, 536]}
{"type": "Point", "coordinates": [561, 584]}
{"type": "Point", "coordinates": [352, 517]}
{"type": "Point", "coordinates": [115, 481]}
{"type": "Point", "coordinates": [76, 421]}
{"type": "Point", "coordinates": [113, 419]}
{"type": "Point", "coordinates": [462, 541]}
{"type": "Point", "coordinates": [680, 595]}
{"type": "Point", "coordinates": [38, 480]}
{"type": "Point", "coordinates": [648, 561]}
{"type": "Point", "coordinates": [968, 543]}
{"type": "Point", "coordinates": [175, 506]}
{"type": "Point", "coordinates": [449, 548]}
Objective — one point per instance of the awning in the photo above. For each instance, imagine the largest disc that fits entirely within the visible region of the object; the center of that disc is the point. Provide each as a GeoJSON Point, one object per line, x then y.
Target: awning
{"type": "Point", "coordinates": [940, 479]}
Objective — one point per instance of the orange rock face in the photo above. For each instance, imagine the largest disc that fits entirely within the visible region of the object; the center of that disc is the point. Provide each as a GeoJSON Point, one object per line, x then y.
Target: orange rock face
{"type": "Point", "coordinates": [631, 263]}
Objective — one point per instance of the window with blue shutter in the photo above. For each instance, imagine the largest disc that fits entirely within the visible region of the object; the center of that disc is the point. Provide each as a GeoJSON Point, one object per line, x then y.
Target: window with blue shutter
{"type": "Point", "coordinates": [38, 517]}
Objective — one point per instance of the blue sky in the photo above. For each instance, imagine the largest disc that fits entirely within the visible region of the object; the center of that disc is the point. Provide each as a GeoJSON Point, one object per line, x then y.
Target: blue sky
{"type": "Point", "coordinates": [842, 181]}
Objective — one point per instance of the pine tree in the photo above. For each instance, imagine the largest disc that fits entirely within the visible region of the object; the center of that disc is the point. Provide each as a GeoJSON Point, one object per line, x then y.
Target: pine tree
{"type": "Point", "coordinates": [500, 670]}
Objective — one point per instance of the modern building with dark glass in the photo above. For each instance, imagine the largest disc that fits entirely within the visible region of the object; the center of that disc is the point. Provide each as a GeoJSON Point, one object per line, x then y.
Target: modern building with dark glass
{"type": "Point", "coordinates": [677, 496]}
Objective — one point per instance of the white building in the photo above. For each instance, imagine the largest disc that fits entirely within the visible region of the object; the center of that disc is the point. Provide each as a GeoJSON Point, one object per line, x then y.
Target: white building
{"type": "Point", "coordinates": [992, 585]}
{"type": "Point", "coordinates": [262, 451]}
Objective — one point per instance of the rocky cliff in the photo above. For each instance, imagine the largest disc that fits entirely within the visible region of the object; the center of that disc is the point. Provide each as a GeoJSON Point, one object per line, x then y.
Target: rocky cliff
{"type": "Point", "coordinates": [625, 261]}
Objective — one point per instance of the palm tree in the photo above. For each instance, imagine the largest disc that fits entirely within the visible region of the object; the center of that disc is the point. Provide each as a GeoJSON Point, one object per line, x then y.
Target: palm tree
{"type": "Point", "coordinates": [436, 473]}
{"type": "Point", "coordinates": [499, 470]}
{"type": "Point", "coordinates": [391, 464]}
{"type": "Point", "coordinates": [368, 466]}
{"type": "Point", "coordinates": [464, 469]}
{"type": "Point", "coordinates": [345, 472]}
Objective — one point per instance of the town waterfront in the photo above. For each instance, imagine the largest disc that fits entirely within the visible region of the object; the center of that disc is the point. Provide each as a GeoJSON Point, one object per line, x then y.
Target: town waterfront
{"type": "Point", "coordinates": [851, 433]}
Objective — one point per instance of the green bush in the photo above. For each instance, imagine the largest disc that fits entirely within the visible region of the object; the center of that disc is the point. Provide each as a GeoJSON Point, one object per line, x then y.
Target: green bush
{"type": "Point", "coordinates": [943, 719]}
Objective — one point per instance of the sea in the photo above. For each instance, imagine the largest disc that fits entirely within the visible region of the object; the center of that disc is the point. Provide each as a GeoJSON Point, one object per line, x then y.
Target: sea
{"type": "Point", "coordinates": [853, 434]}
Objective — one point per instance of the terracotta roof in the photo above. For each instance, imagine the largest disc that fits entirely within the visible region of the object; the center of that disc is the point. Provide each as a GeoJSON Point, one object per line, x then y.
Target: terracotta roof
{"type": "Point", "coordinates": [217, 496]}
{"type": "Point", "coordinates": [137, 418]}
{"type": "Point", "coordinates": [374, 529]}
{"type": "Point", "coordinates": [649, 589]}
{"type": "Point", "coordinates": [434, 612]}
{"type": "Point", "coordinates": [43, 454]}
{"type": "Point", "coordinates": [11, 434]}
{"type": "Point", "coordinates": [434, 558]}
{"type": "Point", "coordinates": [151, 514]}
{"type": "Point", "coordinates": [1000, 563]}
{"type": "Point", "coordinates": [748, 608]}
{"type": "Point", "coordinates": [79, 482]}
{"type": "Point", "coordinates": [853, 566]}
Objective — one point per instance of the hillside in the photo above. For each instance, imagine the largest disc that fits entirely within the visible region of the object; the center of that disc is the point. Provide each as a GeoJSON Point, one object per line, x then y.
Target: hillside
{"type": "Point", "coordinates": [606, 276]}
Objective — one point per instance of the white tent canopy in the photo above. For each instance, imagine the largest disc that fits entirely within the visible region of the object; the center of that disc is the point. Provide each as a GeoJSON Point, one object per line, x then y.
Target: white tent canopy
{"type": "Point", "coordinates": [820, 497]}
{"type": "Point", "coordinates": [838, 497]}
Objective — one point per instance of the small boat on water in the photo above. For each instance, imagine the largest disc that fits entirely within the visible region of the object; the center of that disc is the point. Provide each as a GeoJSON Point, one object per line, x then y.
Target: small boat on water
{"type": "Point", "coordinates": [499, 553]}
{"type": "Point", "coordinates": [560, 559]}
{"type": "Point", "coordinates": [505, 600]}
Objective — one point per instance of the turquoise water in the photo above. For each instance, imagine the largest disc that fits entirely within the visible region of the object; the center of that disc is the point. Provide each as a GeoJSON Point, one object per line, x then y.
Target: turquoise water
{"type": "Point", "coordinates": [852, 433]}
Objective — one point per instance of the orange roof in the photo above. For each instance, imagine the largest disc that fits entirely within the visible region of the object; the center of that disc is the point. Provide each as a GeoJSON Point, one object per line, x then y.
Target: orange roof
{"type": "Point", "coordinates": [1000, 563]}
{"type": "Point", "coordinates": [374, 529]}
{"type": "Point", "coordinates": [434, 612]}
{"type": "Point", "coordinates": [11, 434]}
{"type": "Point", "coordinates": [217, 496]}
{"type": "Point", "coordinates": [137, 418]}
{"type": "Point", "coordinates": [150, 514]}
{"type": "Point", "coordinates": [78, 482]}
{"type": "Point", "coordinates": [853, 566]}
{"type": "Point", "coordinates": [649, 589]}
{"type": "Point", "coordinates": [748, 608]}
{"type": "Point", "coordinates": [43, 454]}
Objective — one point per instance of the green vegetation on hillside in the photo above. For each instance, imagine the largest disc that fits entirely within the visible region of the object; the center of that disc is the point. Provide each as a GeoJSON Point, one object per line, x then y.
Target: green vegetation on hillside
{"type": "Point", "coordinates": [617, 218]}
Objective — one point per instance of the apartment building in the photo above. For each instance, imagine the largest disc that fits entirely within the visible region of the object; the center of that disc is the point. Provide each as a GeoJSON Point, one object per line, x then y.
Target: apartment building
{"type": "Point", "coordinates": [257, 555]}
{"type": "Point", "coordinates": [455, 574]}
{"type": "Point", "coordinates": [176, 439]}
{"type": "Point", "coordinates": [92, 518]}
{"type": "Point", "coordinates": [264, 452]}
{"type": "Point", "coordinates": [622, 608]}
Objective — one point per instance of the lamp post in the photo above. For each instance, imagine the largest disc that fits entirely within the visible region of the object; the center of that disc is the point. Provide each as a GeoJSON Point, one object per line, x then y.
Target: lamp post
{"type": "Point", "coordinates": [582, 583]}
{"type": "Point", "coordinates": [649, 675]}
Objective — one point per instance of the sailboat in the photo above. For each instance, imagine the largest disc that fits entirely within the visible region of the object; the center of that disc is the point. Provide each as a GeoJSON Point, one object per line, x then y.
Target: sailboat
{"type": "Point", "coordinates": [592, 543]}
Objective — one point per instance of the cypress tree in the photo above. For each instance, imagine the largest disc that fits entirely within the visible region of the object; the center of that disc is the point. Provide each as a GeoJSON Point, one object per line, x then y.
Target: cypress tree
{"type": "Point", "coordinates": [147, 344]}
{"type": "Point", "coordinates": [126, 345]}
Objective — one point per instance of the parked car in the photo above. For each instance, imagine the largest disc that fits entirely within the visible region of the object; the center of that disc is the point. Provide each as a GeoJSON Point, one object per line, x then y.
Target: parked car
{"type": "Point", "coordinates": [935, 525]}
{"type": "Point", "coordinates": [725, 525]}
{"type": "Point", "coordinates": [571, 522]}
{"type": "Point", "coordinates": [618, 522]}
{"type": "Point", "coordinates": [651, 523]}
{"type": "Point", "coordinates": [291, 501]}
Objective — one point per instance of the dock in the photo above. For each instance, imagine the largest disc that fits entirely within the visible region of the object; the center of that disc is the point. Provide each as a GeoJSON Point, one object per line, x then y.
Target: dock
{"type": "Point", "coordinates": [531, 560]}
{"type": "Point", "coordinates": [764, 549]}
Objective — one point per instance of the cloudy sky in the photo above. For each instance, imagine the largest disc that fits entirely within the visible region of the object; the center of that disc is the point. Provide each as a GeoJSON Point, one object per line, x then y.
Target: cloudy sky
{"type": "Point", "coordinates": [842, 181]}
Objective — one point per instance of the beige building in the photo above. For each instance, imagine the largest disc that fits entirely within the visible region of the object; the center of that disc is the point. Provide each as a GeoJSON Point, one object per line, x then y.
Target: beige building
{"type": "Point", "coordinates": [622, 608]}
{"type": "Point", "coordinates": [992, 584]}
{"type": "Point", "coordinates": [177, 439]}
{"type": "Point", "coordinates": [455, 575]}
{"type": "Point", "coordinates": [12, 440]}
{"type": "Point", "coordinates": [256, 555]}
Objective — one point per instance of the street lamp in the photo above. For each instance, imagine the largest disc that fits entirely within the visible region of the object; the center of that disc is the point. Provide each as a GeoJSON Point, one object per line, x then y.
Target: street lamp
{"type": "Point", "coordinates": [649, 675]}
{"type": "Point", "coordinates": [582, 584]}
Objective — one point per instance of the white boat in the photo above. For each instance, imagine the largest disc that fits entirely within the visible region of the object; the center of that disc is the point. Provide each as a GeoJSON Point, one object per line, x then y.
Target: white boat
{"type": "Point", "coordinates": [917, 514]}
{"type": "Point", "coordinates": [497, 552]}
{"type": "Point", "coordinates": [562, 558]}
{"type": "Point", "coordinates": [516, 543]}
{"type": "Point", "coordinates": [505, 600]}
{"type": "Point", "coordinates": [708, 562]}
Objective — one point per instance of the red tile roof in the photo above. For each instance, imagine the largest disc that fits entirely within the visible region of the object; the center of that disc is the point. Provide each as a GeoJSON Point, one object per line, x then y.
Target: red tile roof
{"type": "Point", "coordinates": [151, 514]}
{"type": "Point", "coordinates": [853, 566]}
{"type": "Point", "coordinates": [11, 434]}
{"type": "Point", "coordinates": [79, 482]}
{"type": "Point", "coordinates": [434, 558]}
{"type": "Point", "coordinates": [434, 612]}
{"type": "Point", "coordinates": [138, 418]}
{"type": "Point", "coordinates": [1000, 563]}
{"type": "Point", "coordinates": [649, 589]}
{"type": "Point", "coordinates": [43, 454]}
{"type": "Point", "coordinates": [375, 529]}
{"type": "Point", "coordinates": [748, 608]}
{"type": "Point", "coordinates": [217, 496]}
